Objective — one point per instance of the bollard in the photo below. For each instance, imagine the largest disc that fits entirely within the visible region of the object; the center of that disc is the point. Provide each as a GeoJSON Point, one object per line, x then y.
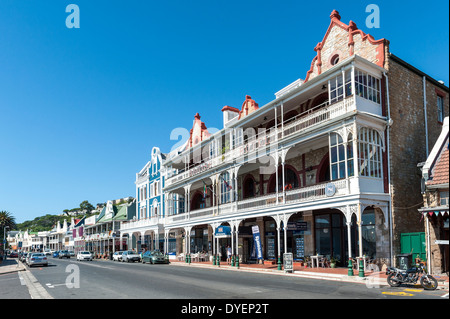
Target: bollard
{"type": "Point", "coordinates": [232, 261]}
{"type": "Point", "coordinates": [350, 267]}
{"type": "Point", "coordinates": [361, 268]}
{"type": "Point", "coordinates": [279, 263]}
{"type": "Point", "coordinates": [237, 261]}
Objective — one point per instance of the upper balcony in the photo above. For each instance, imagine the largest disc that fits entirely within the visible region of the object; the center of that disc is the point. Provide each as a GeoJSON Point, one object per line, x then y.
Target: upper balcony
{"type": "Point", "coordinates": [300, 109]}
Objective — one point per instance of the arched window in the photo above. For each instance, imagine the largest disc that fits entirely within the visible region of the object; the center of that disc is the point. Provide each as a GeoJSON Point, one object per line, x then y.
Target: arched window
{"type": "Point", "coordinates": [290, 179]}
{"type": "Point", "coordinates": [248, 187]}
{"type": "Point", "coordinates": [369, 153]}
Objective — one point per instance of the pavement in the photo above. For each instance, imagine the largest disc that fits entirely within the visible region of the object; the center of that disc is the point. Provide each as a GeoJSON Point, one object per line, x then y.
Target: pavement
{"type": "Point", "coordinates": [371, 279]}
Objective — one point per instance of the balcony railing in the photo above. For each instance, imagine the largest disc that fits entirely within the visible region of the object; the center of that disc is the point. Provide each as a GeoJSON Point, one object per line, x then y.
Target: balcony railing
{"type": "Point", "coordinates": [299, 195]}
{"type": "Point", "coordinates": [152, 221]}
{"type": "Point", "coordinates": [254, 144]}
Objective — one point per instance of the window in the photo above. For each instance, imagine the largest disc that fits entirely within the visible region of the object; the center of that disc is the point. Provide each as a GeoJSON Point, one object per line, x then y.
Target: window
{"type": "Point", "coordinates": [335, 59]}
{"type": "Point", "coordinates": [440, 108]}
{"type": "Point", "coordinates": [367, 86]}
{"type": "Point", "coordinates": [350, 167]}
{"type": "Point", "coordinates": [225, 188]}
{"type": "Point", "coordinates": [337, 156]}
{"type": "Point", "coordinates": [336, 86]}
{"type": "Point", "coordinates": [369, 153]}
{"type": "Point", "coordinates": [444, 198]}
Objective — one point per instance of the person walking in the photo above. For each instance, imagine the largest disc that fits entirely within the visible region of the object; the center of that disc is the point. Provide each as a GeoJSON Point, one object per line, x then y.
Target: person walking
{"type": "Point", "coordinates": [228, 255]}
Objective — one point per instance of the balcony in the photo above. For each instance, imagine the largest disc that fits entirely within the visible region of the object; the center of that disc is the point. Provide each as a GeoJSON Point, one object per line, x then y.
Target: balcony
{"type": "Point", "coordinates": [270, 138]}
{"type": "Point", "coordinates": [144, 222]}
{"type": "Point", "coordinates": [303, 195]}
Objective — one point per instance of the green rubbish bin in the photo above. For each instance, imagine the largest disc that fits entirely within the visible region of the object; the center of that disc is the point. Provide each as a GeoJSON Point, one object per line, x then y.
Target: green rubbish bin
{"type": "Point", "coordinates": [404, 261]}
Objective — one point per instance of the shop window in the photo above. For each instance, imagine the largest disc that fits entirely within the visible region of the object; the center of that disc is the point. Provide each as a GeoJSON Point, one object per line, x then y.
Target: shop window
{"type": "Point", "coordinates": [368, 233]}
{"type": "Point", "coordinates": [369, 153]}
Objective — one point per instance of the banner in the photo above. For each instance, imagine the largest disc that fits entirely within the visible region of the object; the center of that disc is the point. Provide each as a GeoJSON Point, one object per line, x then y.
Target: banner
{"type": "Point", "coordinates": [257, 242]}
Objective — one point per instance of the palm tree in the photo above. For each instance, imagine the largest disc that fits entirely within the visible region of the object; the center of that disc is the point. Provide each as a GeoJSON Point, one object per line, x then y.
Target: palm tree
{"type": "Point", "coordinates": [6, 219]}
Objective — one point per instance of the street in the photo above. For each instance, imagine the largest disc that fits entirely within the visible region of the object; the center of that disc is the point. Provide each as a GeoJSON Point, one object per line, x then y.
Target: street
{"type": "Point", "coordinates": [105, 279]}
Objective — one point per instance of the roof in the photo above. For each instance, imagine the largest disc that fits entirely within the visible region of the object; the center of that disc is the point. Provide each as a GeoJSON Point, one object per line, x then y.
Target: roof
{"type": "Point", "coordinates": [436, 171]}
{"type": "Point", "coordinates": [440, 174]}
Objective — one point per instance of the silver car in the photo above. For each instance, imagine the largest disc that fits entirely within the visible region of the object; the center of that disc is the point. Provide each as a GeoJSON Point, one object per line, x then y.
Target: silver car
{"type": "Point", "coordinates": [37, 259]}
{"type": "Point", "coordinates": [130, 255]}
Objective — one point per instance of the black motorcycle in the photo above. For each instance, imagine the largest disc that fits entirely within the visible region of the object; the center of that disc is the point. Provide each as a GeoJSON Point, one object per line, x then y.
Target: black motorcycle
{"type": "Point", "coordinates": [397, 276]}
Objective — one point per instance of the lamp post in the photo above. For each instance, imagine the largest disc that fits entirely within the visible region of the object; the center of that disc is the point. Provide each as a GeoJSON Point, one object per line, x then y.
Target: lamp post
{"type": "Point", "coordinates": [4, 242]}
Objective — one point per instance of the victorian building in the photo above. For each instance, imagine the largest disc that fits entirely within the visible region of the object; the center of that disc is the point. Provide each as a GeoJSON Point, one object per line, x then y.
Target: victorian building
{"type": "Point", "coordinates": [326, 168]}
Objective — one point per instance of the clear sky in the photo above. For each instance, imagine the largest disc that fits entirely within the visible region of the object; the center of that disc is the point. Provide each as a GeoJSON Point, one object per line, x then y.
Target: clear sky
{"type": "Point", "coordinates": [81, 109]}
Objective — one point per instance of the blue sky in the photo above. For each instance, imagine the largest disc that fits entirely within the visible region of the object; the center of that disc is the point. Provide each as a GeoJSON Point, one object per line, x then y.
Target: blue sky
{"type": "Point", "coordinates": [81, 109]}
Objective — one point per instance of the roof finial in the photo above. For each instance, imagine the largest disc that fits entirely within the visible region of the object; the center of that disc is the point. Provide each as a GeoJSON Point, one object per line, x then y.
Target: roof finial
{"type": "Point", "coordinates": [335, 14]}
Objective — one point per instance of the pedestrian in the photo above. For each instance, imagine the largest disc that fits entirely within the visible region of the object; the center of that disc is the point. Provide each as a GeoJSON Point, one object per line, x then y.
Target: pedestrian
{"type": "Point", "coordinates": [228, 255]}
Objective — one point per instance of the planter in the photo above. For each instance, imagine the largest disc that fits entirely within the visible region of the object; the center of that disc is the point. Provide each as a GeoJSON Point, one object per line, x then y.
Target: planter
{"type": "Point", "coordinates": [333, 265]}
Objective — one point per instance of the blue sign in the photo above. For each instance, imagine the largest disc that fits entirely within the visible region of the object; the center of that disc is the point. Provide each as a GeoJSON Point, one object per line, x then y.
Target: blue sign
{"type": "Point", "coordinates": [223, 232]}
{"type": "Point", "coordinates": [257, 242]}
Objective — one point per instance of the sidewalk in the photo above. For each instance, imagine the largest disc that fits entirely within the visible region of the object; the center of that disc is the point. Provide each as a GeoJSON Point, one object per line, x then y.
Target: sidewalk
{"type": "Point", "coordinates": [335, 274]}
{"type": "Point", "coordinates": [11, 265]}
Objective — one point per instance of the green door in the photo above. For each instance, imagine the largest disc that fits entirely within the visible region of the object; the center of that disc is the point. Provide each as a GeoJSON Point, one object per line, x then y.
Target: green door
{"type": "Point", "coordinates": [414, 243]}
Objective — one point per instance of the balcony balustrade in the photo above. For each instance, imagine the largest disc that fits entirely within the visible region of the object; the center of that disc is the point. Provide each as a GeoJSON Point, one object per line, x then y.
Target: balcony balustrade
{"type": "Point", "coordinates": [299, 124]}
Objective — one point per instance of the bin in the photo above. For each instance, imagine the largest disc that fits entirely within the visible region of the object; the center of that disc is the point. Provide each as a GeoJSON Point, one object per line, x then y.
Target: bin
{"type": "Point", "coordinates": [404, 261]}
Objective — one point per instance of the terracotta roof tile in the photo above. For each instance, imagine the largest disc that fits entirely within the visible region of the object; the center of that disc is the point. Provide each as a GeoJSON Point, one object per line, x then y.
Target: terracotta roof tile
{"type": "Point", "coordinates": [440, 173]}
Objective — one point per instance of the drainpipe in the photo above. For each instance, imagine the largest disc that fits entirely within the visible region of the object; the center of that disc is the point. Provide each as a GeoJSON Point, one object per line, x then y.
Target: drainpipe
{"type": "Point", "coordinates": [425, 112]}
{"type": "Point", "coordinates": [391, 208]}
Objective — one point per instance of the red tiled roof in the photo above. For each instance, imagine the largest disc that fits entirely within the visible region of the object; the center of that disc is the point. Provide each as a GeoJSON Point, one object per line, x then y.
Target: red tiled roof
{"type": "Point", "coordinates": [441, 170]}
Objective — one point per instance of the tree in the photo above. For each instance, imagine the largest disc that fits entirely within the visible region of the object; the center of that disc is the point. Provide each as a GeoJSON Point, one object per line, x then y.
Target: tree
{"type": "Point", "coordinates": [85, 205]}
{"type": "Point", "coordinates": [6, 219]}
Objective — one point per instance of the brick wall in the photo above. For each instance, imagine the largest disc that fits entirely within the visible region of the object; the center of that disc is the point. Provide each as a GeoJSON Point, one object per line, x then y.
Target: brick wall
{"type": "Point", "coordinates": [407, 142]}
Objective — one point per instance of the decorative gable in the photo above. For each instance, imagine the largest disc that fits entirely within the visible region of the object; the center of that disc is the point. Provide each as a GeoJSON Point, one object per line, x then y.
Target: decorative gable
{"type": "Point", "coordinates": [342, 41]}
{"type": "Point", "coordinates": [198, 132]}
{"type": "Point", "coordinates": [248, 107]}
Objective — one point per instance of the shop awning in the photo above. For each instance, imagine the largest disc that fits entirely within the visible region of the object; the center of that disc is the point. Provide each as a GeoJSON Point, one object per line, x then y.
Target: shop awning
{"type": "Point", "coordinates": [223, 232]}
{"type": "Point", "coordinates": [430, 211]}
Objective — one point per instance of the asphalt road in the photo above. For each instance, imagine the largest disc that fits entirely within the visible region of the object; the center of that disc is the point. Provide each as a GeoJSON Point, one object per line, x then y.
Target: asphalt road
{"type": "Point", "coordinates": [68, 278]}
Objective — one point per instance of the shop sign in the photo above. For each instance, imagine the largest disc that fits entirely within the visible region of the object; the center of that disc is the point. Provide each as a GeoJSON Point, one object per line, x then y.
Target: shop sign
{"type": "Point", "coordinates": [288, 262]}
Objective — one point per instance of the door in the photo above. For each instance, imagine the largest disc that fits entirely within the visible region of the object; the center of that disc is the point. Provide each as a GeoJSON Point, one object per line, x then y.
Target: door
{"type": "Point", "coordinates": [413, 243]}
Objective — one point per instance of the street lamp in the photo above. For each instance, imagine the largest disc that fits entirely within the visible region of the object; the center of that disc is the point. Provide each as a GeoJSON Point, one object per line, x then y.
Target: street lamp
{"type": "Point", "coordinates": [4, 242]}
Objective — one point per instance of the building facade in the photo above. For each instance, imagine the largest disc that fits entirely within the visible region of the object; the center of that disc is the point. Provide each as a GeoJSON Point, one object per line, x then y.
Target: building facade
{"type": "Point", "coordinates": [325, 168]}
{"type": "Point", "coordinates": [435, 210]}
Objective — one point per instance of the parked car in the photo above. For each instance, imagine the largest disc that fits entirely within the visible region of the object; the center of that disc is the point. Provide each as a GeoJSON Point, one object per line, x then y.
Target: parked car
{"type": "Point", "coordinates": [47, 252]}
{"type": "Point", "coordinates": [37, 259]}
{"type": "Point", "coordinates": [154, 257]}
{"type": "Point", "coordinates": [130, 255]}
{"type": "Point", "coordinates": [71, 253]}
{"type": "Point", "coordinates": [13, 254]}
{"type": "Point", "coordinates": [22, 256]}
{"type": "Point", "coordinates": [117, 256]}
{"type": "Point", "coordinates": [27, 257]}
{"type": "Point", "coordinates": [56, 254]}
{"type": "Point", "coordinates": [64, 254]}
{"type": "Point", "coordinates": [84, 255]}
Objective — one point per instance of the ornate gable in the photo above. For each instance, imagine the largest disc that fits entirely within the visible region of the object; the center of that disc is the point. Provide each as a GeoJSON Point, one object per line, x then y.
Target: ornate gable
{"type": "Point", "coordinates": [248, 107]}
{"type": "Point", "coordinates": [342, 41]}
{"type": "Point", "coordinates": [198, 132]}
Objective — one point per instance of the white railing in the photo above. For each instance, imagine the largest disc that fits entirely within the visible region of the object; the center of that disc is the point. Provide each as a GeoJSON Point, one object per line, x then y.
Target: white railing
{"type": "Point", "coordinates": [152, 221]}
{"type": "Point", "coordinates": [264, 139]}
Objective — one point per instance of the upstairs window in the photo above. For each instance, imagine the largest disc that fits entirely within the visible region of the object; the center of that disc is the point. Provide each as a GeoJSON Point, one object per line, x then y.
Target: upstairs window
{"type": "Point", "coordinates": [367, 86]}
{"type": "Point", "coordinates": [337, 156]}
{"type": "Point", "coordinates": [440, 108]}
{"type": "Point", "coordinates": [444, 198]}
{"type": "Point", "coordinates": [369, 153]}
{"type": "Point", "coordinates": [336, 86]}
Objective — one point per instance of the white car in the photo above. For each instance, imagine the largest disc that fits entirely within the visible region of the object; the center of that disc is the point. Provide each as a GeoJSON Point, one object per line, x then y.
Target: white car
{"type": "Point", "coordinates": [84, 255]}
{"type": "Point", "coordinates": [130, 255]}
{"type": "Point", "coordinates": [117, 256]}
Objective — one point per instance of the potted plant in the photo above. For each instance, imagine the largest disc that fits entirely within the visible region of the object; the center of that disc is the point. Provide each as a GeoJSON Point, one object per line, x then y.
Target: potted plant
{"type": "Point", "coordinates": [333, 262]}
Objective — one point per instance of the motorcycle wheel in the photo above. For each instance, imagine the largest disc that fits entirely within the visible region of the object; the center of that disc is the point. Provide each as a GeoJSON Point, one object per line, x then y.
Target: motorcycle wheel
{"type": "Point", "coordinates": [428, 282]}
{"type": "Point", "coordinates": [391, 280]}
